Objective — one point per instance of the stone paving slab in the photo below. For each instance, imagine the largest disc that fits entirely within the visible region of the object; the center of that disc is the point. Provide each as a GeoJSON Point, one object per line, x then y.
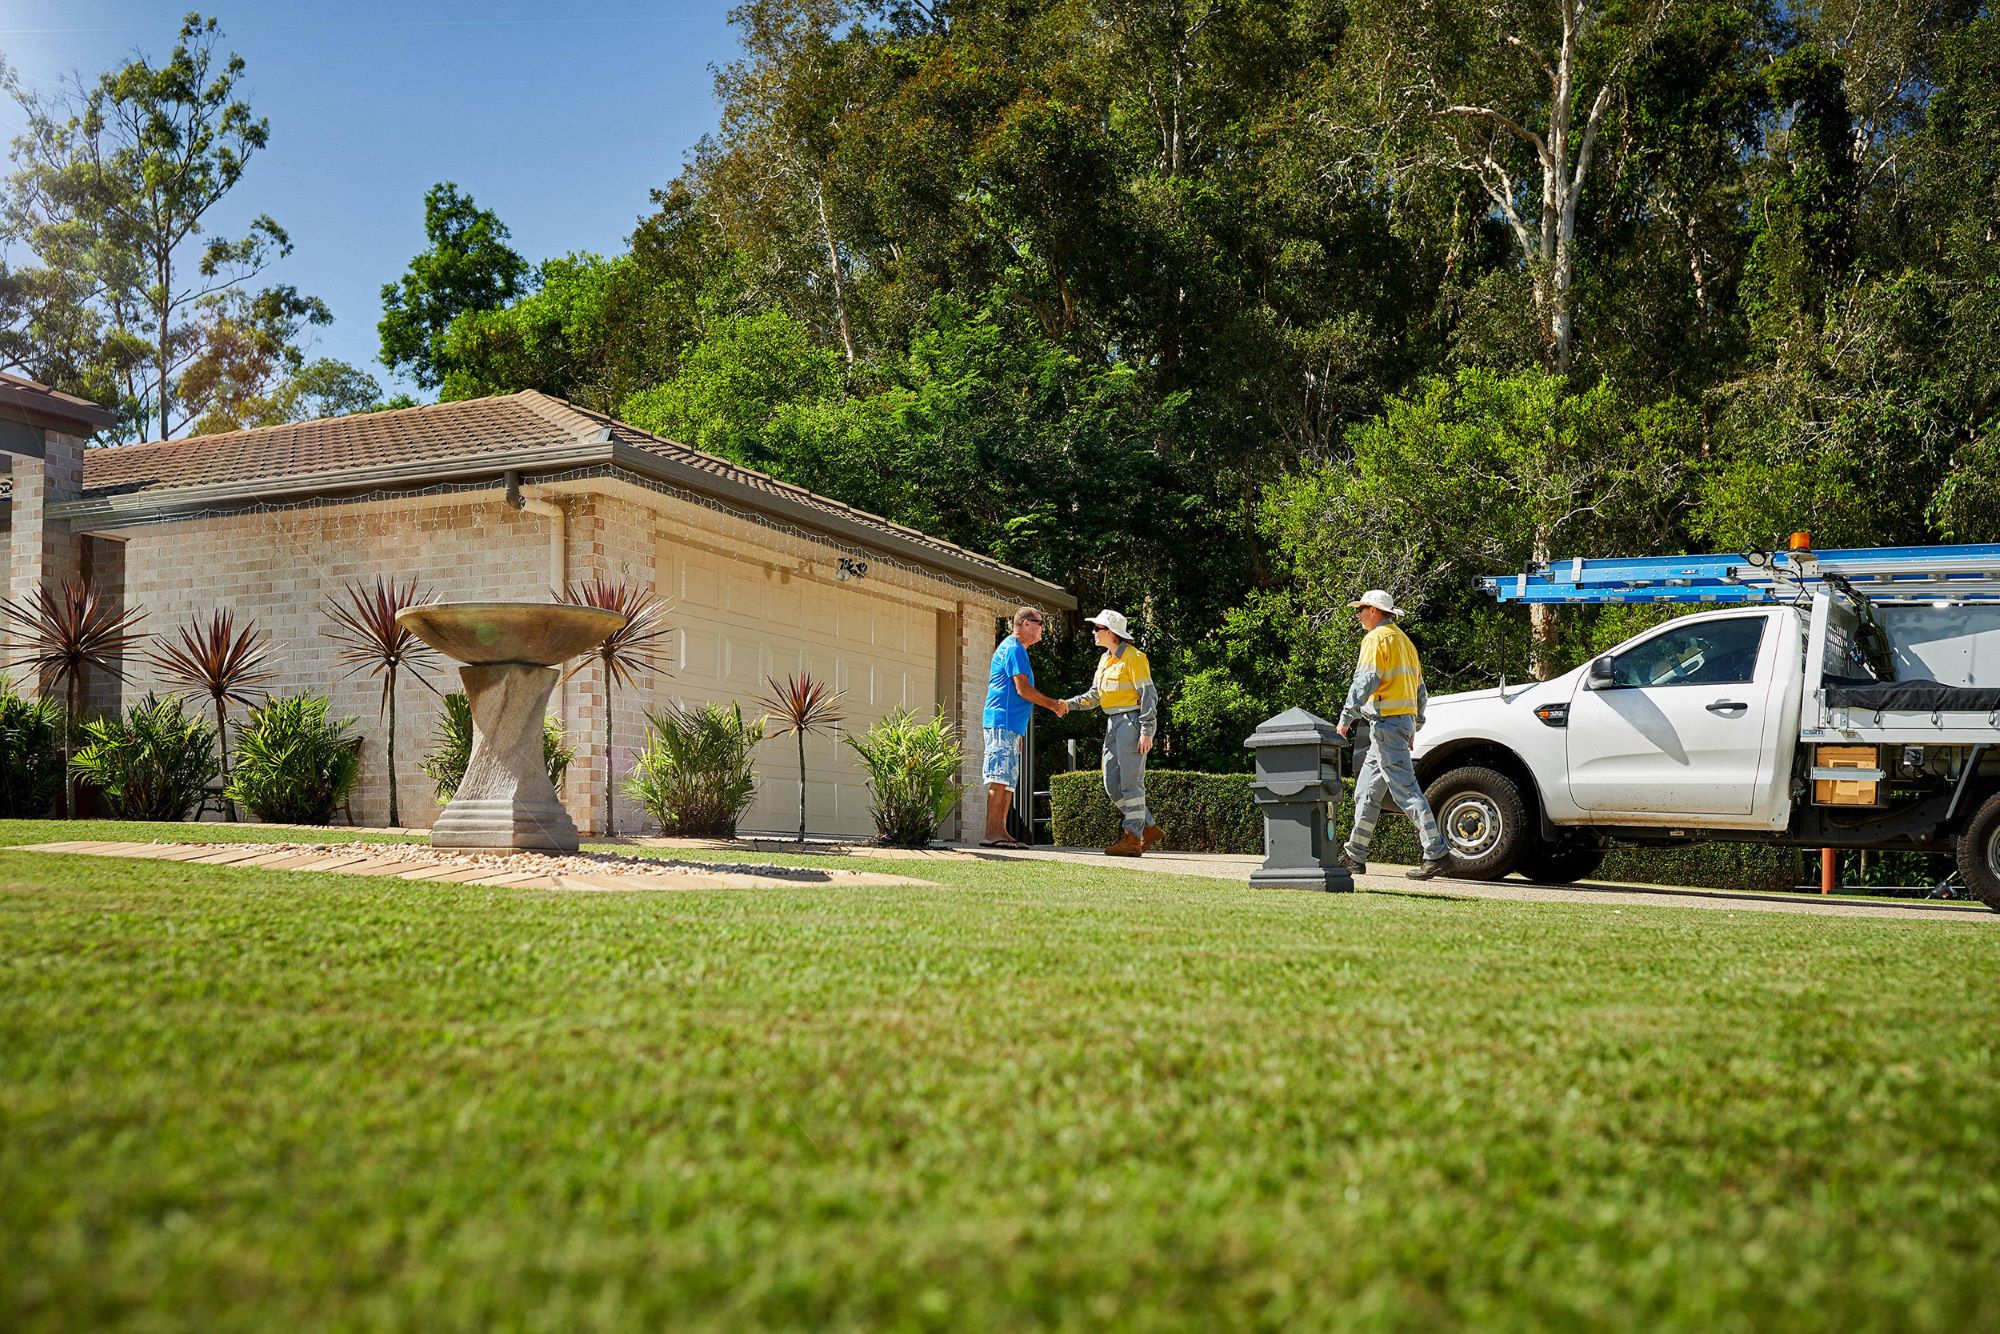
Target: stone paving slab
{"type": "Point", "coordinates": [438, 866]}
{"type": "Point", "coordinates": [1384, 878]}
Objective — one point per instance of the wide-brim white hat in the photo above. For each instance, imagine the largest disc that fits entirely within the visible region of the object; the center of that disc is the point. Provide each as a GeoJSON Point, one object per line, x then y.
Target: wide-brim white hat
{"type": "Point", "coordinates": [1114, 621]}
{"type": "Point", "coordinates": [1379, 600]}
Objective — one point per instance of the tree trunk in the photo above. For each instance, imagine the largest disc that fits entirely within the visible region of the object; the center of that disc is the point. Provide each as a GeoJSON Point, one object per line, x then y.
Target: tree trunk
{"type": "Point", "coordinates": [165, 273]}
{"type": "Point", "coordinates": [69, 744]}
{"type": "Point", "coordinates": [833, 269]}
{"type": "Point", "coordinates": [222, 750]}
{"type": "Point", "coordinates": [395, 815]}
{"type": "Point", "coordinates": [1542, 625]}
{"type": "Point", "coordinates": [802, 783]}
{"type": "Point", "coordinates": [1549, 247]}
{"type": "Point", "coordinates": [610, 769]}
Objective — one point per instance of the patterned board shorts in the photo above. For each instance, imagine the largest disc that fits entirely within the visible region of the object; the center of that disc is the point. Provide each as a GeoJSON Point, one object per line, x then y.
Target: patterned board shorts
{"type": "Point", "coordinates": [1003, 756]}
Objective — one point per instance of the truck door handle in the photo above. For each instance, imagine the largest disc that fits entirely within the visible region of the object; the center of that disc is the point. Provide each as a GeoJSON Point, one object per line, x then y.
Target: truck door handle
{"type": "Point", "coordinates": [1727, 706]}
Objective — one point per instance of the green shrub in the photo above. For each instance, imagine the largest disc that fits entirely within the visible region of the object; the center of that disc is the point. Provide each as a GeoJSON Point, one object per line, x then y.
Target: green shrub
{"type": "Point", "coordinates": [694, 777]}
{"type": "Point", "coordinates": [294, 764]}
{"type": "Point", "coordinates": [1200, 812]}
{"type": "Point", "coordinates": [150, 764]}
{"type": "Point", "coordinates": [446, 764]}
{"type": "Point", "coordinates": [1215, 813]}
{"type": "Point", "coordinates": [31, 754]}
{"type": "Point", "coordinates": [912, 775]}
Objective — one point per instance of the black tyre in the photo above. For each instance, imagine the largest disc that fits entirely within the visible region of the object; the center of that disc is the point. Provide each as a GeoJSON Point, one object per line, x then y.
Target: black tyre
{"type": "Point", "coordinates": [1979, 852]}
{"type": "Point", "coordinates": [1562, 863]}
{"type": "Point", "coordinates": [1485, 817]}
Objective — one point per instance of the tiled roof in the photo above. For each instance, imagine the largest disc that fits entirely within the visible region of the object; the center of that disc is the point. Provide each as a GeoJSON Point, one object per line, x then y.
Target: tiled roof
{"type": "Point", "coordinates": [363, 443]}
{"type": "Point", "coordinates": [527, 429]}
{"type": "Point", "coordinates": [25, 400]}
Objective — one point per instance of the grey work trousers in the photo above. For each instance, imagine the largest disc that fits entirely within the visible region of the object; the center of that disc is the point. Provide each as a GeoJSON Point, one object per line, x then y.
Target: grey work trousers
{"type": "Point", "coordinates": [1125, 770]}
{"type": "Point", "coordinates": [1387, 771]}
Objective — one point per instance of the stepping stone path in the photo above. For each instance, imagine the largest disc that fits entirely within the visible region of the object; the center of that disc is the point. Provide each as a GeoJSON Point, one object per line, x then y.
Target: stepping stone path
{"type": "Point", "coordinates": [514, 870]}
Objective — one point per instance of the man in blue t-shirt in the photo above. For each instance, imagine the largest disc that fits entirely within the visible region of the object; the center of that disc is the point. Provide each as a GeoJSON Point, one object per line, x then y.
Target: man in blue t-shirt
{"type": "Point", "coordinates": [1010, 699]}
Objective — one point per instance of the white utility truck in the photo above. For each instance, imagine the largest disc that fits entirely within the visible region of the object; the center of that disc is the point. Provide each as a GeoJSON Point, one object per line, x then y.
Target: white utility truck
{"type": "Point", "coordinates": [1842, 699]}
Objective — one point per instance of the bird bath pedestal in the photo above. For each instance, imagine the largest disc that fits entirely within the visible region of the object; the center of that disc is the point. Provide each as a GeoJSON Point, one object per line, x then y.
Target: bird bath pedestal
{"type": "Point", "coordinates": [510, 650]}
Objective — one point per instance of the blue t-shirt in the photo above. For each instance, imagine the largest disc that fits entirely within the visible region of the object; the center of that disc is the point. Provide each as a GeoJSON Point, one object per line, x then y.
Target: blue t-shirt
{"type": "Point", "coordinates": [1005, 706]}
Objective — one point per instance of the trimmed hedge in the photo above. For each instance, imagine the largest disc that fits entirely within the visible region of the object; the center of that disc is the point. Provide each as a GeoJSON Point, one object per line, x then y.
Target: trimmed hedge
{"type": "Point", "coordinates": [1215, 813]}
{"type": "Point", "coordinates": [1200, 812]}
{"type": "Point", "coordinates": [1699, 866]}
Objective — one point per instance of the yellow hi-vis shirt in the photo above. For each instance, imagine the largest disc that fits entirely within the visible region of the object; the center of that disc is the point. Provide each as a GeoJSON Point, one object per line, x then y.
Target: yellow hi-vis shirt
{"type": "Point", "coordinates": [1388, 653]}
{"type": "Point", "coordinates": [1123, 681]}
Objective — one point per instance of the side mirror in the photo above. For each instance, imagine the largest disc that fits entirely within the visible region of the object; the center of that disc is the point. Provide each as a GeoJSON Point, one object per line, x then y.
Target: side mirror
{"type": "Point", "coordinates": [1601, 676]}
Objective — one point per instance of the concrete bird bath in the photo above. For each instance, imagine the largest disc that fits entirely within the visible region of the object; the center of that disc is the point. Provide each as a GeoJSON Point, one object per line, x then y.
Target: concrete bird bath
{"type": "Point", "coordinates": [510, 650]}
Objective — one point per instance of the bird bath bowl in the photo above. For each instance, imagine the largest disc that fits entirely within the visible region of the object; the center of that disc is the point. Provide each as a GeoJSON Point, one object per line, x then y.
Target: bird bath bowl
{"type": "Point", "coordinates": [509, 651]}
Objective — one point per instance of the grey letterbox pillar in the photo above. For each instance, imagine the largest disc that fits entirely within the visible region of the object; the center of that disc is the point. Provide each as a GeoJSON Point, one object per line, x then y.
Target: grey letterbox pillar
{"type": "Point", "coordinates": [1298, 774]}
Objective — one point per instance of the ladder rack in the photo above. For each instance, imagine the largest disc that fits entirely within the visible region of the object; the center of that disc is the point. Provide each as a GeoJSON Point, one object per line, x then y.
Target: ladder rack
{"type": "Point", "coordinates": [1969, 573]}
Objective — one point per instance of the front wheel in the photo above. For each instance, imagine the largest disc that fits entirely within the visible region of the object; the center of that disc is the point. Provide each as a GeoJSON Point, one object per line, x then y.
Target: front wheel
{"type": "Point", "coordinates": [1484, 817]}
{"type": "Point", "coordinates": [1979, 852]}
{"type": "Point", "coordinates": [1562, 863]}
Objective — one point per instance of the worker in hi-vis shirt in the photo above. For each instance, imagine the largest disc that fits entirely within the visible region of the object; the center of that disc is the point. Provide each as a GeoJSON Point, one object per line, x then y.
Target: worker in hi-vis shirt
{"type": "Point", "coordinates": [1123, 688]}
{"type": "Point", "coordinates": [1389, 692]}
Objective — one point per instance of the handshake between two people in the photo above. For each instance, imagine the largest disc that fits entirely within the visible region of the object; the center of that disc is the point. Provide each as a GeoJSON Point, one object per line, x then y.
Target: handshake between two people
{"type": "Point", "coordinates": [1061, 707]}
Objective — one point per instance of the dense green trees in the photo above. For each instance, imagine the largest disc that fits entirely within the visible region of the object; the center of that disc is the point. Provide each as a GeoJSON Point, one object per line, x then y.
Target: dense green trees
{"type": "Point", "coordinates": [1216, 310]}
{"type": "Point", "coordinates": [1222, 311]}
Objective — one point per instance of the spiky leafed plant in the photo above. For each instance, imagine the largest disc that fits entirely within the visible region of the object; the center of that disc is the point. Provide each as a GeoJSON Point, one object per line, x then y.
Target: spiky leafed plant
{"type": "Point", "coordinates": [371, 640]}
{"type": "Point", "coordinates": [222, 662]}
{"type": "Point", "coordinates": [800, 705]}
{"type": "Point", "coordinates": [632, 648]}
{"type": "Point", "coordinates": [58, 635]}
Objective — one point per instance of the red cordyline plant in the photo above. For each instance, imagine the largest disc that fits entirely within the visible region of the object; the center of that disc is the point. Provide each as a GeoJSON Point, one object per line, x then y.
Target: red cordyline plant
{"type": "Point", "coordinates": [222, 662]}
{"type": "Point", "coordinates": [800, 705]}
{"type": "Point", "coordinates": [632, 648]}
{"type": "Point", "coordinates": [60, 634]}
{"type": "Point", "coordinates": [371, 640]}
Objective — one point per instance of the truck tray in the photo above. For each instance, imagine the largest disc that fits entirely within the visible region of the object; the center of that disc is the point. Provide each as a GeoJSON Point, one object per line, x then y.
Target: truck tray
{"type": "Point", "coordinates": [1858, 692]}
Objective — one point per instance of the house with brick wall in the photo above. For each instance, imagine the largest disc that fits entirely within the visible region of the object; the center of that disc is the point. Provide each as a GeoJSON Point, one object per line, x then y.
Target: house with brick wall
{"type": "Point", "coordinates": [507, 498]}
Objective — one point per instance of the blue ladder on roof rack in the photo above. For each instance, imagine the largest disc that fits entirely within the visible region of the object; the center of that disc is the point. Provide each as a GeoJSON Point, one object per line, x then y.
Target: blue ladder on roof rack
{"type": "Point", "coordinates": [1962, 573]}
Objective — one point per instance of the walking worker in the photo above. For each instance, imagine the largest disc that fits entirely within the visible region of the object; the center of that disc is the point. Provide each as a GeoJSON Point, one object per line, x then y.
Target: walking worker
{"type": "Point", "coordinates": [1010, 701]}
{"type": "Point", "coordinates": [1389, 692]}
{"type": "Point", "coordinates": [1123, 688]}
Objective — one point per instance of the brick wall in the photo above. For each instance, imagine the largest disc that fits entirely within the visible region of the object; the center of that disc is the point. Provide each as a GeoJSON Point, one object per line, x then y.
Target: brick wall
{"type": "Point", "coordinates": [281, 568]}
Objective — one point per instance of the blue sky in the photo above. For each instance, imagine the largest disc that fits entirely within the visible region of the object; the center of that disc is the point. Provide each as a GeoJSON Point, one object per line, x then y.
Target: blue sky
{"type": "Point", "coordinates": [560, 124]}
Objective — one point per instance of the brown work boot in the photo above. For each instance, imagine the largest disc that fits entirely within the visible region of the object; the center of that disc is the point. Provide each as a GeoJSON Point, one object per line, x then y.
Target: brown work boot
{"type": "Point", "coordinates": [1128, 845]}
{"type": "Point", "coordinates": [1152, 838]}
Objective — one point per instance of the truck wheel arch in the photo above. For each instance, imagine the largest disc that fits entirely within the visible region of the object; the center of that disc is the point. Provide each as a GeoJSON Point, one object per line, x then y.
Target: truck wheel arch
{"type": "Point", "coordinates": [1490, 755]}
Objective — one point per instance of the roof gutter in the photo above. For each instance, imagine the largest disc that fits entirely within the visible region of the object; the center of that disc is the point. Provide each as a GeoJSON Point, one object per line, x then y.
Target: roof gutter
{"type": "Point", "coordinates": [141, 506]}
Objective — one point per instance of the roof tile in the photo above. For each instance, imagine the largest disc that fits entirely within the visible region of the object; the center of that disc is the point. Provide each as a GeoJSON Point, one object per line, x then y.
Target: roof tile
{"type": "Point", "coordinates": [307, 454]}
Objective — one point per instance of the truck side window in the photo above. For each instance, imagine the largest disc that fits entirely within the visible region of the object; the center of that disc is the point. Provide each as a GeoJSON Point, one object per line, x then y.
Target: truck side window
{"type": "Point", "coordinates": [1713, 653]}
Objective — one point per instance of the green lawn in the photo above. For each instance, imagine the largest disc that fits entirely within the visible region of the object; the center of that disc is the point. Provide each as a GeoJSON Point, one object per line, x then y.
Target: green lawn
{"type": "Point", "coordinates": [1035, 1095]}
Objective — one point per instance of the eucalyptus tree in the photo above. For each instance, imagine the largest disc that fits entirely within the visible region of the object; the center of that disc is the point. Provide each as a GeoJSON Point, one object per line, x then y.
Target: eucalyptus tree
{"type": "Point", "coordinates": [1514, 95]}
{"type": "Point", "coordinates": [122, 175]}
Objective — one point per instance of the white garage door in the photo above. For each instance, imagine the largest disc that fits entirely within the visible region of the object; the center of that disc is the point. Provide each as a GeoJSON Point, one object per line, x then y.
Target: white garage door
{"type": "Point", "coordinates": [738, 622]}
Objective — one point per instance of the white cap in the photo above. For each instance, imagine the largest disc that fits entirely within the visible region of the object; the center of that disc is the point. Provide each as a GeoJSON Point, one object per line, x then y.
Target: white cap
{"type": "Point", "coordinates": [1379, 600]}
{"type": "Point", "coordinates": [1113, 621]}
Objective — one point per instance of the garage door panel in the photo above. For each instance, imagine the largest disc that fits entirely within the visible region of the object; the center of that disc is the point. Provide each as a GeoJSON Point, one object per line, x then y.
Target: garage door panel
{"type": "Point", "coordinates": [819, 618]}
{"type": "Point", "coordinates": [782, 603]}
{"type": "Point", "coordinates": [701, 581]}
{"type": "Point", "coordinates": [738, 623]}
{"type": "Point", "coordinates": [700, 656]}
{"type": "Point", "coordinates": [742, 661]}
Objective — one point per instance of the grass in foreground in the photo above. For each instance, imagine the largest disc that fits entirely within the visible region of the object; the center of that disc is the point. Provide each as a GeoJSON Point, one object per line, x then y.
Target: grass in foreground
{"type": "Point", "coordinates": [1034, 1095]}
